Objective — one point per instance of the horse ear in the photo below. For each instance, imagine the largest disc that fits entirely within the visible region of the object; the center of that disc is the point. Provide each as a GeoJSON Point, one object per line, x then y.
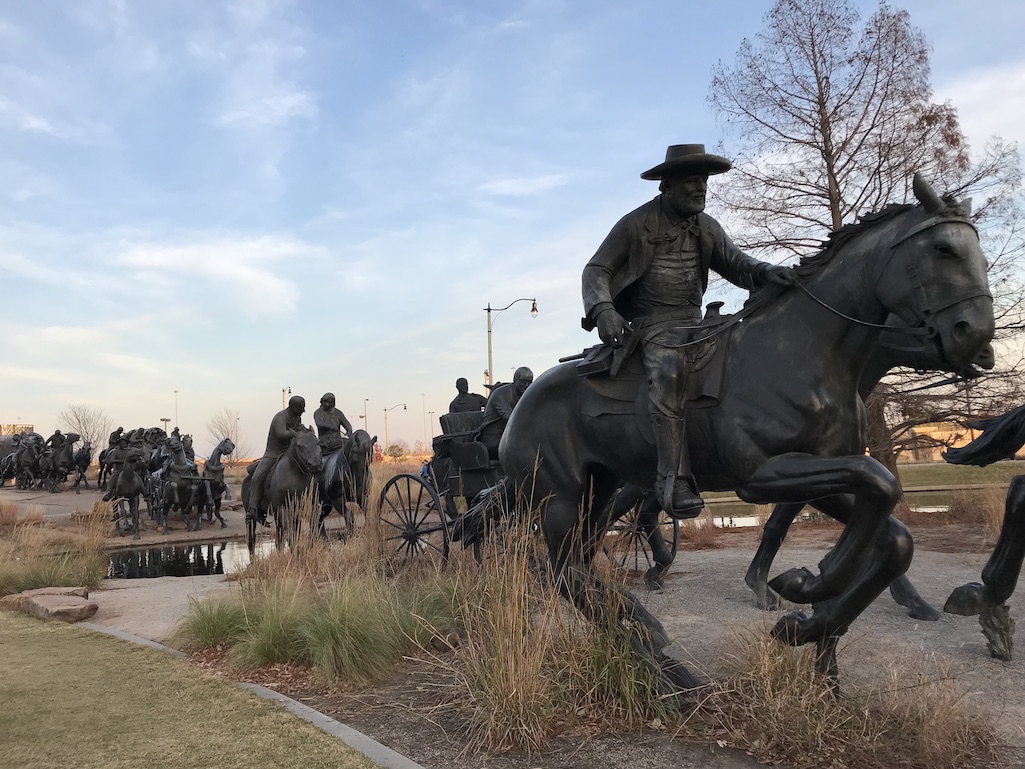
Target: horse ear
{"type": "Point", "coordinates": [925, 194]}
{"type": "Point", "coordinates": [373, 441]}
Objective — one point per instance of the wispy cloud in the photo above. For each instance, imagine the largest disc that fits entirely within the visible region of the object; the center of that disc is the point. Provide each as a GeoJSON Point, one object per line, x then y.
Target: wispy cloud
{"type": "Point", "coordinates": [989, 101]}
{"type": "Point", "coordinates": [242, 271]}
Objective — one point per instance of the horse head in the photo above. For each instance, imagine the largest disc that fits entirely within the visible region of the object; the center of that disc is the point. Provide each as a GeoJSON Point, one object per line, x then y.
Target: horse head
{"type": "Point", "coordinates": [935, 277]}
{"type": "Point", "coordinates": [305, 451]}
{"type": "Point", "coordinates": [226, 446]}
{"type": "Point", "coordinates": [360, 451]}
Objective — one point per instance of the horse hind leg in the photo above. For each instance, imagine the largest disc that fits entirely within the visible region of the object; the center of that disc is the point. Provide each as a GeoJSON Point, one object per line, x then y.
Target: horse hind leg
{"type": "Point", "coordinates": [773, 534]}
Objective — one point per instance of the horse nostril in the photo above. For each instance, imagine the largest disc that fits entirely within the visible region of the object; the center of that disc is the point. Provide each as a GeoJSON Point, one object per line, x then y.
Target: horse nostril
{"type": "Point", "coordinates": [962, 329]}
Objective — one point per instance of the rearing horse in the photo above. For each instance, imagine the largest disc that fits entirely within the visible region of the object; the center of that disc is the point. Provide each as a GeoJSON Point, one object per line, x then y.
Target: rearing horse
{"type": "Point", "coordinates": [788, 425]}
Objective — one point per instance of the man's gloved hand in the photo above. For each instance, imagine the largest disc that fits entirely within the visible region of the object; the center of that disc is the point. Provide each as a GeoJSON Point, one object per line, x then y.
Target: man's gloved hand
{"type": "Point", "coordinates": [780, 275]}
{"type": "Point", "coordinates": [611, 327]}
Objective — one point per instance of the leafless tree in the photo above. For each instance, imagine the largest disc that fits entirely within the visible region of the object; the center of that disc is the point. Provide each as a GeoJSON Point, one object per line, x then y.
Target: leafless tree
{"type": "Point", "coordinates": [91, 423]}
{"type": "Point", "coordinates": [225, 424]}
{"type": "Point", "coordinates": [828, 119]}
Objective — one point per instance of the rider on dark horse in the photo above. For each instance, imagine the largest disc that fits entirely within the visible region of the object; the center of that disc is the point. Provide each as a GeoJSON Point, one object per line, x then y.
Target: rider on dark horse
{"type": "Point", "coordinates": [283, 428]}
{"type": "Point", "coordinates": [330, 422]}
{"type": "Point", "coordinates": [644, 288]}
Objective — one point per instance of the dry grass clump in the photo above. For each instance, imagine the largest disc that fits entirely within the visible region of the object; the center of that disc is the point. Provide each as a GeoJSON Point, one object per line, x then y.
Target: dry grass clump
{"type": "Point", "coordinates": [700, 534]}
{"type": "Point", "coordinates": [984, 507]}
{"type": "Point", "coordinates": [528, 664]}
{"type": "Point", "coordinates": [34, 555]}
{"type": "Point", "coordinates": [772, 704]}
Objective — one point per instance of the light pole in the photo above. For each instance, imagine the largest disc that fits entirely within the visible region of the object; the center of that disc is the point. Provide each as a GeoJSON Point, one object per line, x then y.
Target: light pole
{"type": "Point", "coordinates": [363, 416]}
{"type": "Point", "coordinates": [165, 420]}
{"type": "Point", "coordinates": [490, 373]}
{"type": "Point", "coordinates": [431, 415]}
{"type": "Point", "coordinates": [175, 408]}
{"type": "Point", "coordinates": [423, 404]}
{"type": "Point", "coordinates": [283, 391]}
{"type": "Point", "coordinates": [386, 423]}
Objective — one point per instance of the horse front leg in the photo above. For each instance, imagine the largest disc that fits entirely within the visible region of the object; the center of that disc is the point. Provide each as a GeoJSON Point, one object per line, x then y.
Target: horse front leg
{"type": "Point", "coordinates": [803, 477]}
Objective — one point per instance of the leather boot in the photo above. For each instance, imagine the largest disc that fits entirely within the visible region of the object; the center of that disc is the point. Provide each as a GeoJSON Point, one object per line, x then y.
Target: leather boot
{"type": "Point", "coordinates": [674, 485]}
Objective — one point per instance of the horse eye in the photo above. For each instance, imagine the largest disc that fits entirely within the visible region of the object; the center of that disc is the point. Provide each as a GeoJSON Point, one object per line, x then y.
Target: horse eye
{"type": "Point", "coordinates": [945, 249]}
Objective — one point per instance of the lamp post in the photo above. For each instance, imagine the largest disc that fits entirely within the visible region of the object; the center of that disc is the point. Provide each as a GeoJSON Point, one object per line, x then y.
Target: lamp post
{"type": "Point", "coordinates": [386, 423]}
{"type": "Point", "coordinates": [175, 408]}
{"type": "Point", "coordinates": [363, 416]}
{"type": "Point", "coordinates": [431, 415]}
{"type": "Point", "coordinates": [283, 391]}
{"type": "Point", "coordinates": [423, 405]}
{"type": "Point", "coordinates": [490, 373]}
{"type": "Point", "coordinates": [165, 420]}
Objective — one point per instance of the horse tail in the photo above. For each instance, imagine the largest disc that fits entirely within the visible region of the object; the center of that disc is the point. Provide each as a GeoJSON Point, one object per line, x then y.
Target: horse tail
{"type": "Point", "coordinates": [1001, 437]}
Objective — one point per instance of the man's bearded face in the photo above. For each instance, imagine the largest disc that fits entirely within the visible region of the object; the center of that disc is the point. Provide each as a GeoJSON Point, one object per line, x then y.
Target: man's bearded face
{"type": "Point", "coordinates": [685, 194]}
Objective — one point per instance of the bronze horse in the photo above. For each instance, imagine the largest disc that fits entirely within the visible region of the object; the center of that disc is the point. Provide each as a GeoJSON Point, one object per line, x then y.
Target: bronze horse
{"type": "Point", "coordinates": [292, 474]}
{"type": "Point", "coordinates": [788, 425]}
{"type": "Point", "coordinates": [345, 477]}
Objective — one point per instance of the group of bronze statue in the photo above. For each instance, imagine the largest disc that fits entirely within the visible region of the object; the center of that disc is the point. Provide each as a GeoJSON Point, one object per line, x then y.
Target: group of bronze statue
{"type": "Point", "coordinates": [32, 462]}
{"type": "Point", "coordinates": [767, 402]}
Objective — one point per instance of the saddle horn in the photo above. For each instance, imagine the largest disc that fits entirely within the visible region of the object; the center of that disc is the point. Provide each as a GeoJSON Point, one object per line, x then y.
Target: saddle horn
{"type": "Point", "coordinates": [925, 194]}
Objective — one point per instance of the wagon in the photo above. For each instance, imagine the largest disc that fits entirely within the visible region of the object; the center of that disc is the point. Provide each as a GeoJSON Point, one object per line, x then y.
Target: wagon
{"type": "Point", "coordinates": [416, 512]}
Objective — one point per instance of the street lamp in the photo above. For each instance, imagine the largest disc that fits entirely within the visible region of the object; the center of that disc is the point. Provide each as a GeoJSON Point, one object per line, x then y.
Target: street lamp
{"type": "Point", "coordinates": [431, 415]}
{"type": "Point", "coordinates": [165, 420]}
{"type": "Point", "coordinates": [386, 422]}
{"type": "Point", "coordinates": [283, 391]}
{"type": "Point", "coordinates": [175, 408]}
{"type": "Point", "coordinates": [364, 414]}
{"type": "Point", "coordinates": [490, 373]}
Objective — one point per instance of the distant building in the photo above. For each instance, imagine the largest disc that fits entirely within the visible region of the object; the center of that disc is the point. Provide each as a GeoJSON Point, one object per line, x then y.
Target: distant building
{"type": "Point", "coordinates": [16, 429]}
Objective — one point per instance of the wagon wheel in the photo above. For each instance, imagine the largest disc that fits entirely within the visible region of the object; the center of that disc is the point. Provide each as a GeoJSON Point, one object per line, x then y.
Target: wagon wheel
{"type": "Point", "coordinates": [412, 520]}
{"type": "Point", "coordinates": [628, 547]}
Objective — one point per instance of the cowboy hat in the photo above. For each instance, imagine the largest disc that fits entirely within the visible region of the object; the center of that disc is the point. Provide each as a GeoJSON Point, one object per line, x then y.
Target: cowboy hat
{"type": "Point", "coordinates": [687, 159]}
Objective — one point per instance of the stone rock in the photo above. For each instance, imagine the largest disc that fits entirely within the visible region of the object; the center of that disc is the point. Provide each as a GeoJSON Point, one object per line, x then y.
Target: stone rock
{"type": "Point", "coordinates": [19, 601]}
{"type": "Point", "coordinates": [67, 608]}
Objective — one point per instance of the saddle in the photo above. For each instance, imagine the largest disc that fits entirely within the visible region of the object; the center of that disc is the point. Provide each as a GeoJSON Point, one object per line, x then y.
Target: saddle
{"type": "Point", "coordinates": [623, 388]}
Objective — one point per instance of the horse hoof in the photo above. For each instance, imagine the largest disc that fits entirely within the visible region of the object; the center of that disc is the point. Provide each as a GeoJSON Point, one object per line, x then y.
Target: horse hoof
{"type": "Point", "coordinates": [136, 537]}
{"type": "Point", "coordinates": [766, 600]}
{"type": "Point", "coordinates": [923, 612]}
{"type": "Point", "coordinates": [967, 600]}
{"type": "Point", "coordinates": [653, 578]}
{"type": "Point", "coordinates": [791, 584]}
{"type": "Point", "coordinates": [224, 525]}
{"type": "Point", "coordinates": [796, 629]}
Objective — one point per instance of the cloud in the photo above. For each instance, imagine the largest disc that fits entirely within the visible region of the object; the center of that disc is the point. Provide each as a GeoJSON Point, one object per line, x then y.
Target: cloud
{"type": "Point", "coordinates": [240, 271]}
{"type": "Point", "coordinates": [990, 102]}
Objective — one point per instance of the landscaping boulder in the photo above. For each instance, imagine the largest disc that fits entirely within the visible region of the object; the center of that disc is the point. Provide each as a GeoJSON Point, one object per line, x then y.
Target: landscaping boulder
{"type": "Point", "coordinates": [68, 604]}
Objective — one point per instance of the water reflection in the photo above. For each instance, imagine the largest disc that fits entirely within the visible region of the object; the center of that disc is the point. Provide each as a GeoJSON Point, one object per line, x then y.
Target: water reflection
{"type": "Point", "coordinates": [179, 560]}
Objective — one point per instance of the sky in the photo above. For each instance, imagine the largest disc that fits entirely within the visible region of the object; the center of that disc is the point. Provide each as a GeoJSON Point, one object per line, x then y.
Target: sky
{"type": "Point", "coordinates": [234, 199]}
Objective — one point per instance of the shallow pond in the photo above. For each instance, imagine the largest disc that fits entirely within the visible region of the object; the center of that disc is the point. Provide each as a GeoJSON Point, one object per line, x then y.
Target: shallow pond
{"type": "Point", "coordinates": [183, 560]}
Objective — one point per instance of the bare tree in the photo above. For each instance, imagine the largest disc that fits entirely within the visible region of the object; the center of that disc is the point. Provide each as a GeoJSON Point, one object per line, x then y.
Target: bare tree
{"type": "Point", "coordinates": [91, 423]}
{"type": "Point", "coordinates": [828, 119]}
{"type": "Point", "coordinates": [225, 424]}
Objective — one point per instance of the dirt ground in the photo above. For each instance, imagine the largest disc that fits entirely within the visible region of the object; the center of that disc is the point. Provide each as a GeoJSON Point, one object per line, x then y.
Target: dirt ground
{"type": "Point", "coordinates": [703, 604]}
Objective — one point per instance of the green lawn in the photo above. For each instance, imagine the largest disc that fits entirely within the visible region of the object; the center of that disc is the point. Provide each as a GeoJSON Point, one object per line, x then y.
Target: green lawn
{"type": "Point", "coordinates": [70, 697]}
{"type": "Point", "coordinates": [942, 474]}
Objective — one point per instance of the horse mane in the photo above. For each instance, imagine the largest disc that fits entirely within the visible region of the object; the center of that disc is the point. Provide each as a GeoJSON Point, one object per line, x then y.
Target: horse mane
{"type": "Point", "coordinates": [812, 264]}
